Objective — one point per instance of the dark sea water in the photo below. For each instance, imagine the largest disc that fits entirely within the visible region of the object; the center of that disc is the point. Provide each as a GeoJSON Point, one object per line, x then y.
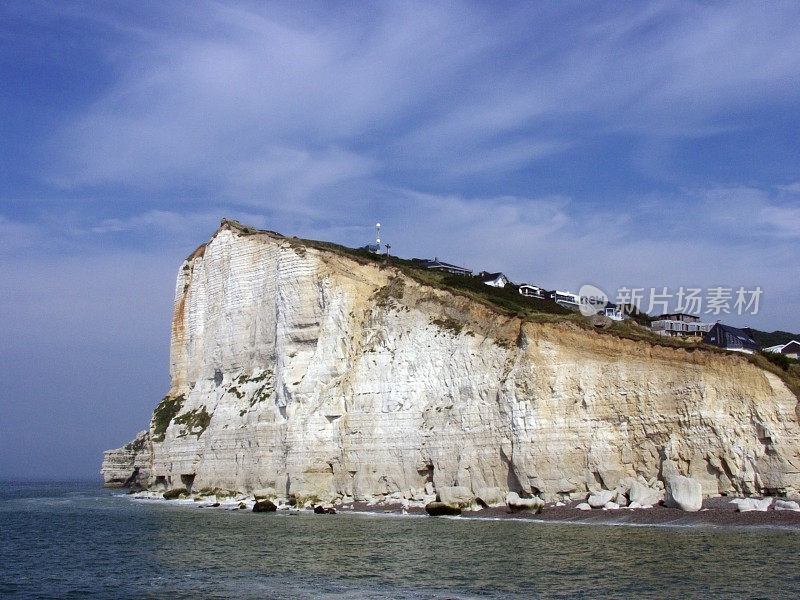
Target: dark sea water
{"type": "Point", "coordinates": [77, 540]}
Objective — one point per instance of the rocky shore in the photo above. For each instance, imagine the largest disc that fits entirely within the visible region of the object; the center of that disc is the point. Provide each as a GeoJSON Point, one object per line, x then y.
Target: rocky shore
{"type": "Point", "coordinates": [714, 512]}
{"type": "Point", "coordinates": [719, 511]}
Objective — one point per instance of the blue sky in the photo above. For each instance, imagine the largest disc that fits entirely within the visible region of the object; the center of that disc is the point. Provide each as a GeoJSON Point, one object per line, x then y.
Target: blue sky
{"type": "Point", "coordinates": [618, 144]}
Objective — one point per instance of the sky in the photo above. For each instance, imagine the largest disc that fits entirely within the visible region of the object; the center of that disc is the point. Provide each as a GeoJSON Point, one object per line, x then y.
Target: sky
{"type": "Point", "coordinates": [627, 145]}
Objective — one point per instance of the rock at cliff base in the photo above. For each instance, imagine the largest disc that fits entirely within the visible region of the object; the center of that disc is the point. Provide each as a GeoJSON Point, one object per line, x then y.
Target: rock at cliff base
{"type": "Point", "coordinates": [600, 499]}
{"type": "Point", "coordinates": [684, 493]}
{"type": "Point", "coordinates": [610, 506]}
{"type": "Point", "coordinates": [644, 495]}
{"type": "Point", "coordinates": [752, 504]}
{"type": "Point", "coordinates": [515, 503]}
{"type": "Point", "coordinates": [264, 506]}
{"type": "Point", "coordinates": [323, 510]}
{"type": "Point", "coordinates": [174, 493]}
{"type": "Point", "coordinates": [787, 505]}
{"type": "Point", "coordinates": [456, 496]}
{"type": "Point", "coordinates": [583, 506]}
{"type": "Point", "coordinates": [490, 496]}
{"type": "Point", "coordinates": [440, 509]}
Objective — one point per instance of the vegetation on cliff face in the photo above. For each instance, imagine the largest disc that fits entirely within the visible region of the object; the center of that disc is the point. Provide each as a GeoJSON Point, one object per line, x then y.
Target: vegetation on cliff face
{"type": "Point", "coordinates": [196, 421]}
{"type": "Point", "coordinates": [167, 410]}
{"type": "Point", "coordinates": [454, 326]}
{"type": "Point", "coordinates": [136, 445]}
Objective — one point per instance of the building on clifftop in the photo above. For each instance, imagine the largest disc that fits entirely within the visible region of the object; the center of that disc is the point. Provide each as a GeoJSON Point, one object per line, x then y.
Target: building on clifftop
{"type": "Point", "coordinates": [731, 338]}
{"type": "Point", "coordinates": [437, 265]}
{"type": "Point", "coordinates": [679, 325]}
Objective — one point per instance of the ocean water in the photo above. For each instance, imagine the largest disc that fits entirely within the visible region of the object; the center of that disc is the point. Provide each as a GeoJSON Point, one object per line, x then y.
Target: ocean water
{"type": "Point", "coordinates": [78, 540]}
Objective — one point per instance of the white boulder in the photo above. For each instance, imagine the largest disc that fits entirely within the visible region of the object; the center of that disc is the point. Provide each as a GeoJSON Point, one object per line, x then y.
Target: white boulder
{"type": "Point", "coordinates": [752, 504]}
{"type": "Point", "coordinates": [601, 498]}
{"type": "Point", "coordinates": [787, 505]}
{"type": "Point", "coordinates": [643, 495]}
{"type": "Point", "coordinates": [583, 506]}
{"type": "Point", "coordinates": [514, 502]}
{"type": "Point", "coordinates": [610, 506]}
{"type": "Point", "coordinates": [684, 493]}
{"type": "Point", "coordinates": [456, 495]}
{"type": "Point", "coordinates": [490, 496]}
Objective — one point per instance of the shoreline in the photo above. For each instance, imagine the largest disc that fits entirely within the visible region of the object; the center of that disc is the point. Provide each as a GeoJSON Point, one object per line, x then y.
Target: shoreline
{"type": "Point", "coordinates": [716, 512]}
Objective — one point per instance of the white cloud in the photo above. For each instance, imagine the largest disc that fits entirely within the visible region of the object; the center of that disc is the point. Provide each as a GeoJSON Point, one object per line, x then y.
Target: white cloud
{"type": "Point", "coordinates": [153, 220]}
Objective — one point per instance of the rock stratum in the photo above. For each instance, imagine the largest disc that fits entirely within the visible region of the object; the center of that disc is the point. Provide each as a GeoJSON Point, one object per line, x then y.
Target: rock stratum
{"type": "Point", "coordinates": [316, 375]}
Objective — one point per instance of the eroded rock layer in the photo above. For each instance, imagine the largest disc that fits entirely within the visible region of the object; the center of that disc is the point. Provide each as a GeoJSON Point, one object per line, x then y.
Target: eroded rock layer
{"type": "Point", "coordinates": [308, 372]}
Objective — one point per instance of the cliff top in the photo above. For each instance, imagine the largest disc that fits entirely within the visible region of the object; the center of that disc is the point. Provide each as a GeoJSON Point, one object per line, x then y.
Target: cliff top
{"type": "Point", "coordinates": [509, 302]}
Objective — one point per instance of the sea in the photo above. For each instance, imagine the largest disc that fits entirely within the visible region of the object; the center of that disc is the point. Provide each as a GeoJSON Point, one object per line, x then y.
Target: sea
{"type": "Point", "coordinates": [79, 540]}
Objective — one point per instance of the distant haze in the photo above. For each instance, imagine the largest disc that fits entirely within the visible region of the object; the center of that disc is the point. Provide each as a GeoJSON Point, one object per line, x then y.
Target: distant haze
{"type": "Point", "coordinates": [617, 144]}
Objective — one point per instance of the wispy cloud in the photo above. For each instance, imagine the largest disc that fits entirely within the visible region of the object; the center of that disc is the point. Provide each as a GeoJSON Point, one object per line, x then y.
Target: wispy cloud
{"type": "Point", "coordinates": [748, 214]}
{"type": "Point", "coordinates": [263, 103]}
{"type": "Point", "coordinates": [154, 221]}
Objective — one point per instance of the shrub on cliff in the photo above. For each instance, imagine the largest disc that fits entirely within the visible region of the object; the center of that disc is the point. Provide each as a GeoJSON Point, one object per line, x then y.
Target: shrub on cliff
{"type": "Point", "coordinates": [781, 360]}
{"type": "Point", "coordinates": [167, 409]}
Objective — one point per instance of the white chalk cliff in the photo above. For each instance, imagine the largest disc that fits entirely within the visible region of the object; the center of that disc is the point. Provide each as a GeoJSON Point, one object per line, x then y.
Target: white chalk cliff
{"type": "Point", "coordinates": [323, 376]}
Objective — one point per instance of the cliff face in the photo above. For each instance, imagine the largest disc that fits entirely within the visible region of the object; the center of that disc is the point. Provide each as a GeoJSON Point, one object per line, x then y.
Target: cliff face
{"type": "Point", "coordinates": [306, 371]}
{"type": "Point", "coordinates": [129, 465]}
